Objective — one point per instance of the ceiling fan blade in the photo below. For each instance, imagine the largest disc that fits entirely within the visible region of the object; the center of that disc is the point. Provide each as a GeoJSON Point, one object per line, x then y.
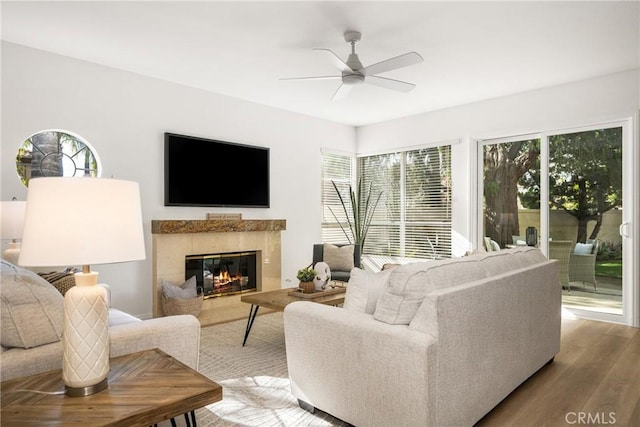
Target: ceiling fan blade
{"type": "Point", "coordinates": [339, 63]}
{"type": "Point", "coordinates": [342, 92]}
{"type": "Point", "coordinates": [386, 83]}
{"type": "Point", "coordinates": [313, 78]}
{"type": "Point", "coordinates": [392, 64]}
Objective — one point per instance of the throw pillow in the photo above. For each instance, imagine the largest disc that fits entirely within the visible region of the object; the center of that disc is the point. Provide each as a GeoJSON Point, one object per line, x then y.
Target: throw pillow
{"type": "Point", "coordinates": [339, 258]}
{"type": "Point", "coordinates": [363, 290]}
{"type": "Point", "coordinates": [31, 310]}
{"type": "Point", "coordinates": [186, 290]}
{"type": "Point", "coordinates": [410, 283]}
{"type": "Point", "coordinates": [61, 280]}
{"type": "Point", "coordinates": [583, 249]}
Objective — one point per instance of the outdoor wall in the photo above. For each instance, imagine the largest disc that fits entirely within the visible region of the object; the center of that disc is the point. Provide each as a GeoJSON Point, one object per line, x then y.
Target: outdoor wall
{"type": "Point", "coordinates": [124, 116]}
{"type": "Point", "coordinates": [563, 226]}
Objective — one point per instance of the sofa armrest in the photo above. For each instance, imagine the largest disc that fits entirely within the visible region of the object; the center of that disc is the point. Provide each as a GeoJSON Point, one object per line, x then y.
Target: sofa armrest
{"type": "Point", "coordinates": [386, 365]}
{"type": "Point", "coordinates": [178, 336]}
{"type": "Point", "coordinates": [108, 289]}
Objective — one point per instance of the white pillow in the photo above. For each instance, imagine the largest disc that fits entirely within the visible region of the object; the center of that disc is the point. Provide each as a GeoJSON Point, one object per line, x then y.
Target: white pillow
{"type": "Point", "coordinates": [363, 290]}
{"type": "Point", "coordinates": [31, 309]}
{"type": "Point", "coordinates": [184, 291]}
{"type": "Point", "coordinates": [583, 248]}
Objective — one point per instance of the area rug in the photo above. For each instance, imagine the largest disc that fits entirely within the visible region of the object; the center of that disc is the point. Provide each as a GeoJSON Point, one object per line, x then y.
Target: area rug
{"type": "Point", "coordinates": [254, 378]}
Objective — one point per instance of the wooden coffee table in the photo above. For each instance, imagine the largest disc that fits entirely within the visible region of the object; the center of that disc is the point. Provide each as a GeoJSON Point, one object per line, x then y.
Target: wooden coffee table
{"type": "Point", "coordinates": [278, 300]}
{"type": "Point", "coordinates": [145, 388]}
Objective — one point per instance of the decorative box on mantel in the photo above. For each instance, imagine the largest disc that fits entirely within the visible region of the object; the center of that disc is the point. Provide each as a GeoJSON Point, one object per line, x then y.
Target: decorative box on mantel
{"type": "Point", "coordinates": [173, 240]}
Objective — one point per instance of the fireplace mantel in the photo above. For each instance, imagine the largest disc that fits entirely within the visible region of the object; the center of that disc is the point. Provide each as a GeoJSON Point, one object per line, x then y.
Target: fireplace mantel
{"type": "Point", "coordinates": [173, 240]}
{"type": "Point", "coordinates": [174, 226]}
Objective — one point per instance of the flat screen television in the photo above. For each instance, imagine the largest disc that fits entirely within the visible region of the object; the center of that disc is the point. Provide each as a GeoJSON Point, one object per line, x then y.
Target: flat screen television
{"type": "Point", "coordinates": [206, 172]}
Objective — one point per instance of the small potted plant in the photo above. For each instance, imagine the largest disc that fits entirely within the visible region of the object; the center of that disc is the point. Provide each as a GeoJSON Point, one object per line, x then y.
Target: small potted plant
{"type": "Point", "coordinates": [306, 276]}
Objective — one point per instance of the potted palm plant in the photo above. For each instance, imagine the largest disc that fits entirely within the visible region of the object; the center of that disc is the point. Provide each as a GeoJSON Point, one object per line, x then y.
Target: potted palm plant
{"type": "Point", "coordinates": [358, 212]}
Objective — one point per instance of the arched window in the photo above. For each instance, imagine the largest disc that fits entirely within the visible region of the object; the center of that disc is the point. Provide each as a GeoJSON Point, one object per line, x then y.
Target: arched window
{"type": "Point", "coordinates": [56, 152]}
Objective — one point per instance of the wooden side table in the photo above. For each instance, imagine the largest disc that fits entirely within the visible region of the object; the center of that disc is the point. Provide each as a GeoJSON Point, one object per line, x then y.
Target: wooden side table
{"type": "Point", "coordinates": [145, 388]}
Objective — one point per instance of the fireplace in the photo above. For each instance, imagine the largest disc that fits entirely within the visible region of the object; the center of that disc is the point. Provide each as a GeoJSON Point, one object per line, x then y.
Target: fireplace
{"type": "Point", "coordinates": [175, 239]}
{"type": "Point", "coordinates": [223, 273]}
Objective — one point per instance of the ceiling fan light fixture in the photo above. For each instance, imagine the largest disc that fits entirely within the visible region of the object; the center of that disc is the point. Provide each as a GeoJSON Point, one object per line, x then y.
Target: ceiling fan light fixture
{"type": "Point", "coordinates": [352, 79]}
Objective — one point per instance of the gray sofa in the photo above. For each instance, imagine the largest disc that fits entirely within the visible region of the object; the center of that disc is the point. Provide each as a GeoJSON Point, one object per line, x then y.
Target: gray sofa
{"type": "Point", "coordinates": [31, 326]}
{"type": "Point", "coordinates": [437, 343]}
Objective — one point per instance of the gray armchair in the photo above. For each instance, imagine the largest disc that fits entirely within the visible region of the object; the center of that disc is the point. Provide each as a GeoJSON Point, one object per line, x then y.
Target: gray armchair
{"type": "Point", "coordinates": [339, 274]}
{"type": "Point", "coordinates": [561, 250]}
{"type": "Point", "coordinates": [582, 266]}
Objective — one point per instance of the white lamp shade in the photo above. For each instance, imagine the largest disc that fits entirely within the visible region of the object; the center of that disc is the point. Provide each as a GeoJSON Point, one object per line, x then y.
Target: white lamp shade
{"type": "Point", "coordinates": [82, 221]}
{"type": "Point", "coordinates": [12, 219]}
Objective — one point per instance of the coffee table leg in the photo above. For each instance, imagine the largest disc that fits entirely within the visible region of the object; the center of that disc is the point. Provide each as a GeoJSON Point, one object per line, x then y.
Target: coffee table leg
{"type": "Point", "coordinates": [252, 315]}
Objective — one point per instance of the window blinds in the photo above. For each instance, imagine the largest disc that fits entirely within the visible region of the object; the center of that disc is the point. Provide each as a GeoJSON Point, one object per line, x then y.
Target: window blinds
{"type": "Point", "coordinates": [413, 218]}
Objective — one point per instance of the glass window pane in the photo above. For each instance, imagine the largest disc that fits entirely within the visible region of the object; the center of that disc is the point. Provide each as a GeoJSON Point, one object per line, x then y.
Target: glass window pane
{"type": "Point", "coordinates": [511, 193]}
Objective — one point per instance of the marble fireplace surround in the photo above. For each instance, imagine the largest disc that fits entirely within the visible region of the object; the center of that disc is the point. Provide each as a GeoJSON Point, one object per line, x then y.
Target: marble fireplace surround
{"type": "Point", "coordinates": [174, 239]}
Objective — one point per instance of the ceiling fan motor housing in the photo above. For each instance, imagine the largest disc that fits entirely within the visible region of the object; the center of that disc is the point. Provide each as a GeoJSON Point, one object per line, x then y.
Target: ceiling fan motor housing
{"type": "Point", "coordinates": [354, 62]}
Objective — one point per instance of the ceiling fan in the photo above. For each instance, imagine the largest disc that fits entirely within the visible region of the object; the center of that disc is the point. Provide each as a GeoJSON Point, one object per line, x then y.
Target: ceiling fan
{"type": "Point", "coordinates": [353, 73]}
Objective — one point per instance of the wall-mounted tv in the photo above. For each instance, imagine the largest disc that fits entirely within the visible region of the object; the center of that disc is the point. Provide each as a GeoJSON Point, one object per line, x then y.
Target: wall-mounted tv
{"type": "Point", "coordinates": [206, 172]}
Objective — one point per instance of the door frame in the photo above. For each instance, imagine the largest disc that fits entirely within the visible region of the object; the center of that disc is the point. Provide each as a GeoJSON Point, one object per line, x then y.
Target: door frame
{"type": "Point", "coordinates": [630, 213]}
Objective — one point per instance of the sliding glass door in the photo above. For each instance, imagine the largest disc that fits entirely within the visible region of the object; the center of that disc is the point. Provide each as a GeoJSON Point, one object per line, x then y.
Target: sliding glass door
{"type": "Point", "coordinates": [585, 210]}
{"type": "Point", "coordinates": [564, 192]}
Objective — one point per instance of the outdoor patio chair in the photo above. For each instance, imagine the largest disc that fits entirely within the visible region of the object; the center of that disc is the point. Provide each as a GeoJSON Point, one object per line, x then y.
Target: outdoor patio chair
{"type": "Point", "coordinates": [519, 240]}
{"type": "Point", "coordinates": [561, 250]}
{"type": "Point", "coordinates": [491, 245]}
{"type": "Point", "coordinates": [582, 263]}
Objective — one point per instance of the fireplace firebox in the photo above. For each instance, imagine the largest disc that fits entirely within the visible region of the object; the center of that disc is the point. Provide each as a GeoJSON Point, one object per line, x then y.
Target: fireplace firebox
{"type": "Point", "coordinates": [222, 274]}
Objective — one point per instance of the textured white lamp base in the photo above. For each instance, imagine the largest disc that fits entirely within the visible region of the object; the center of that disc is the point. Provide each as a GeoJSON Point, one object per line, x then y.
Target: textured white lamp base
{"type": "Point", "coordinates": [85, 337]}
{"type": "Point", "coordinates": [12, 253]}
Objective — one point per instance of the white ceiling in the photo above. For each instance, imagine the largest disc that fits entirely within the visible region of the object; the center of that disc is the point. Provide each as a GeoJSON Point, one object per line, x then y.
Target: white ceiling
{"type": "Point", "coordinates": [472, 50]}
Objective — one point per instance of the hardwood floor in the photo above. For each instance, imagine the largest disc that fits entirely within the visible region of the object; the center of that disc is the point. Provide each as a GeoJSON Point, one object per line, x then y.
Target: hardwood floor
{"type": "Point", "coordinates": [594, 380]}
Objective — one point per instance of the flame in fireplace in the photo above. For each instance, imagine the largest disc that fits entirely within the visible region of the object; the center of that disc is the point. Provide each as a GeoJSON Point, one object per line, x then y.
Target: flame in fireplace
{"type": "Point", "coordinates": [224, 277]}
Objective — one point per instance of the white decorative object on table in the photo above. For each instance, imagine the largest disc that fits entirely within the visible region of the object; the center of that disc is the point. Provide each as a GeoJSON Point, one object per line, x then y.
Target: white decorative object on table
{"type": "Point", "coordinates": [323, 276]}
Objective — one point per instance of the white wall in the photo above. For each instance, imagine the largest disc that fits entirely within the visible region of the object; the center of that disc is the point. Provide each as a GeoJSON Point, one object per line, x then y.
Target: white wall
{"type": "Point", "coordinates": [602, 99]}
{"type": "Point", "coordinates": [124, 116]}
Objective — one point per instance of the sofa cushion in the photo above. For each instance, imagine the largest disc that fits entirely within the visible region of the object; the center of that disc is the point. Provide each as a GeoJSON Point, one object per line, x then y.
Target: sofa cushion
{"type": "Point", "coordinates": [510, 259]}
{"type": "Point", "coordinates": [31, 310]}
{"type": "Point", "coordinates": [186, 290]}
{"type": "Point", "coordinates": [486, 264]}
{"type": "Point", "coordinates": [339, 258]}
{"type": "Point", "coordinates": [408, 284]}
{"type": "Point", "coordinates": [363, 290]}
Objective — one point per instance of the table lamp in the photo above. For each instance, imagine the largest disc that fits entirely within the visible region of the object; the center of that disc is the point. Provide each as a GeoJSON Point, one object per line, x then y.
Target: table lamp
{"type": "Point", "coordinates": [83, 221]}
{"type": "Point", "coordinates": [12, 222]}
